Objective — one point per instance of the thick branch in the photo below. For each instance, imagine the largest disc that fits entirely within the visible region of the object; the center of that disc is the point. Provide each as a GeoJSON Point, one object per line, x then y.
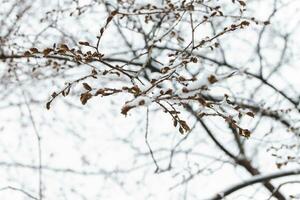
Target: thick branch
{"type": "Point", "coordinates": [254, 180]}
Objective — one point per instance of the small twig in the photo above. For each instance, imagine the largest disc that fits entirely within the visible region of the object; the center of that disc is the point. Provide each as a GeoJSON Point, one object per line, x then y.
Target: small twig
{"type": "Point", "coordinates": [146, 140]}
{"type": "Point", "coordinates": [281, 185]}
{"type": "Point", "coordinates": [19, 190]}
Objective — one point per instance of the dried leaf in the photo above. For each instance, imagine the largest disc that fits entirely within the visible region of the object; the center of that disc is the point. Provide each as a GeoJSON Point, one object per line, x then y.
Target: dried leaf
{"type": "Point", "coordinates": [242, 3]}
{"type": "Point", "coordinates": [34, 50]}
{"type": "Point", "coordinates": [181, 130]}
{"type": "Point", "coordinates": [48, 105]}
{"type": "Point", "coordinates": [64, 47]}
{"type": "Point", "coordinates": [125, 109]}
{"type": "Point", "coordinates": [84, 43]}
{"type": "Point", "coordinates": [251, 114]}
{"type": "Point", "coordinates": [85, 97]}
{"type": "Point", "coordinates": [142, 102]}
{"type": "Point", "coordinates": [27, 53]}
{"type": "Point", "coordinates": [212, 79]}
{"type": "Point", "coordinates": [86, 86]}
{"type": "Point", "coordinates": [47, 51]}
{"type": "Point", "coordinates": [175, 123]}
{"type": "Point", "coordinates": [165, 70]}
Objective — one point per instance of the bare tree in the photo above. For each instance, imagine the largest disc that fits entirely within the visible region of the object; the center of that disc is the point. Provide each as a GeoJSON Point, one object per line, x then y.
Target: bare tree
{"type": "Point", "coordinates": [201, 91]}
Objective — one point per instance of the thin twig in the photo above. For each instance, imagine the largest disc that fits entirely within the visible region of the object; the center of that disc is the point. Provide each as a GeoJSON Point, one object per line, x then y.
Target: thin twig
{"type": "Point", "coordinates": [146, 140]}
{"type": "Point", "coordinates": [19, 190]}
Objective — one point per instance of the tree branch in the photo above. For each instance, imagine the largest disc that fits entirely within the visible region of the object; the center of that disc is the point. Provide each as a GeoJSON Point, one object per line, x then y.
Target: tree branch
{"type": "Point", "coordinates": [254, 180]}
